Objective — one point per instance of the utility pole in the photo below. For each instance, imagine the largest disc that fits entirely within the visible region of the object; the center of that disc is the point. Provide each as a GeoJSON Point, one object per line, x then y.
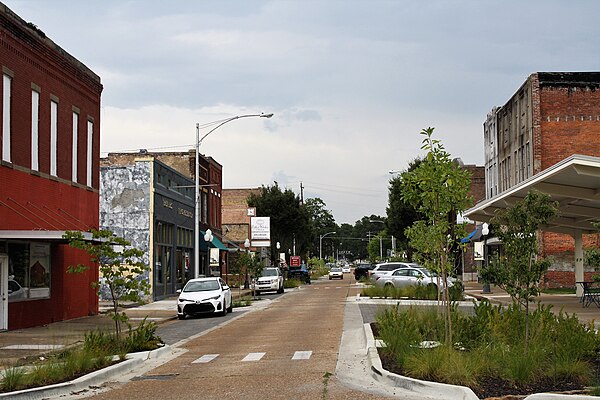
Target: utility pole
{"type": "Point", "coordinates": [301, 194]}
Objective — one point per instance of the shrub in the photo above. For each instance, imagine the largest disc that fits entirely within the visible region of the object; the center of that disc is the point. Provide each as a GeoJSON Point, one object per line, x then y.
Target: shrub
{"type": "Point", "coordinates": [291, 283]}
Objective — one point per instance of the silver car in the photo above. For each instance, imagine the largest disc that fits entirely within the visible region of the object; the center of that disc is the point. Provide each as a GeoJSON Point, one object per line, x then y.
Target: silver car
{"type": "Point", "coordinates": [387, 268]}
{"type": "Point", "coordinates": [410, 276]}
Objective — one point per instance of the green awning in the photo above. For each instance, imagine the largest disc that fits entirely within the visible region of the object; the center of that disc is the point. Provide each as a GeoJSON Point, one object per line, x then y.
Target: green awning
{"type": "Point", "coordinates": [216, 243]}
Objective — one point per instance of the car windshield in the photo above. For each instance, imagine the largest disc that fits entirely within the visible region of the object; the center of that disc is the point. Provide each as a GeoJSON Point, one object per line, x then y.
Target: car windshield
{"type": "Point", "coordinates": [269, 272]}
{"type": "Point", "coordinates": [201, 286]}
{"type": "Point", "coordinates": [335, 269]}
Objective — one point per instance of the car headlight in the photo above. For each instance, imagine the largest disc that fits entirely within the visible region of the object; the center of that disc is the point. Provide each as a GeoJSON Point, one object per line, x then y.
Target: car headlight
{"type": "Point", "coordinates": [217, 297]}
{"type": "Point", "coordinates": [182, 300]}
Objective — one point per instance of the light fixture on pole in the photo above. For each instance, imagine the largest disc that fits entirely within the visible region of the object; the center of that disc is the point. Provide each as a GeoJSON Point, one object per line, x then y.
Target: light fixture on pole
{"type": "Point", "coordinates": [321, 243]}
{"type": "Point", "coordinates": [485, 231]}
{"type": "Point", "coordinates": [247, 246]}
{"type": "Point", "coordinates": [197, 182]}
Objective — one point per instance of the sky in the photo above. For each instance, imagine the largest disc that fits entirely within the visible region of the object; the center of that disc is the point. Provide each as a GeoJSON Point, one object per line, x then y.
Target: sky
{"type": "Point", "coordinates": [350, 83]}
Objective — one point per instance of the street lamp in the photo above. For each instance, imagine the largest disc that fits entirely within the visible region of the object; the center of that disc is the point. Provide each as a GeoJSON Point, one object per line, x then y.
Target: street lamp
{"type": "Point", "coordinates": [321, 243]}
{"type": "Point", "coordinates": [197, 183]}
{"type": "Point", "coordinates": [247, 246]}
{"type": "Point", "coordinates": [380, 239]}
{"type": "Point", "coordinates": [485, 231]}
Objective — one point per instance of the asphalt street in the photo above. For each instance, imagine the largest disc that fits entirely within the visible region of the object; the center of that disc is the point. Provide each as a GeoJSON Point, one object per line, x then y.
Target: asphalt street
{"type": "Point", "coordinates": [286, 349]}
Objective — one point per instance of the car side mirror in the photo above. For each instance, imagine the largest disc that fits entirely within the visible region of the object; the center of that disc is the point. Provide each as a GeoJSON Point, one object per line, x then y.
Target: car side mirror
{"type": "Point", "coordinates": [178, 291]}
{"type": "Point", "coordinates": [225, 287]}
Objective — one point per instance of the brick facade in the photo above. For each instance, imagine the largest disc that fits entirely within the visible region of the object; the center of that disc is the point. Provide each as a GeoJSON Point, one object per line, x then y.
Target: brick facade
{"type": "Point", "coordinates": [552, 116]}
{"type": "Point", "coordinates": [37, 198]}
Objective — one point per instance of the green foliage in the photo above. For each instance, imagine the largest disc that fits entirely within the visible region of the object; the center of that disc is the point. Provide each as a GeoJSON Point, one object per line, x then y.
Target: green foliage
{"type": "Point", "coordinates": [289, 219]}
{"type": "Point", "coordinates": [416, 292]}
{"type": "Point", "coordinates": [490, 343]}
{"type": "Point", "coordinates": [320, 221]}
{"type": "Point", "coordinates": [13, 378]}
{"type": "Point", "coordinates": [292, 283]}
{"type": "Point", "coordinates": [592, 257]}
{"type": "Point", "coordinates": [120, 267]}
{"type": "Point", "coordinates": [438, 189]}
{"type": "Point", "coordinates": [242, 302]}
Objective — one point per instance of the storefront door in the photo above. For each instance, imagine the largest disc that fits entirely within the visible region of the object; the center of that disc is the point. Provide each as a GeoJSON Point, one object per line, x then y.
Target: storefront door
{"type": "Point", "coordinates": [3, 292]}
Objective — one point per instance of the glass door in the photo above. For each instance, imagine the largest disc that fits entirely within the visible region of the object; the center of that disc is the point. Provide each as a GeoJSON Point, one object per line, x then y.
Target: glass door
{"type": "Point", "coordinates": [3, 292]}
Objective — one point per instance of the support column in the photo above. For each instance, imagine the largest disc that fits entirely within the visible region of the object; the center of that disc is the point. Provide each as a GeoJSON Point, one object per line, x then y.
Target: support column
{"type": "Point", "coordinates": [578, 260]}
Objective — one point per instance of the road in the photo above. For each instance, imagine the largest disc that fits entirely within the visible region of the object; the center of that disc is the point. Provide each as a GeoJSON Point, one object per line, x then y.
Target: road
{"type": "Point", "coordinates": [287, 350]}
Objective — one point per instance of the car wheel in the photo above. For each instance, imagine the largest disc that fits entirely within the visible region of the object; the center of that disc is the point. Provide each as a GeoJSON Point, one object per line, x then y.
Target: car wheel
{"type": "Point", "coordinates": [280, 290]}
{"type": "Point", "coordinates": [224, 312]}
{"type": "Point", "coordinates": [432, 286]}
{"type": "Point", "coordinates": [230, 308]}
{"type": "Point", "coordinates": [389, 285]}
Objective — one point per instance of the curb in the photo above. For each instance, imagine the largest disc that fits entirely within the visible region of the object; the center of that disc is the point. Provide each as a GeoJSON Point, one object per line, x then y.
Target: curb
{"type": "Point", "coordinates": [96, 378]}
{"type": "Point", "coordinates": [432, 390]}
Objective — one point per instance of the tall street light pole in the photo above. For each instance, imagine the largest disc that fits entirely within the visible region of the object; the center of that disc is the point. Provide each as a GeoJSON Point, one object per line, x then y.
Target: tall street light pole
{"type": "Point", "coordinates": [321, 243]}
{"type": "Point", "coordinates": [380, 239]}
{"type": "Point", "coordinates": [197, 183]}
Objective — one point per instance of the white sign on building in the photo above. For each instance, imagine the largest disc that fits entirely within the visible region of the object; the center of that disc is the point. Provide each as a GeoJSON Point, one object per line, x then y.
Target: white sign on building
{"type": "Point", "coordinates": [260, 231]}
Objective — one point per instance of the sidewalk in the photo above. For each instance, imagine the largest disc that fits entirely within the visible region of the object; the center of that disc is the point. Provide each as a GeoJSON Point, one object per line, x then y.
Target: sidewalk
{"type": "Point", "coordinates": [569, 303]}
{"type": "Point", "coordinates": [40, 340]}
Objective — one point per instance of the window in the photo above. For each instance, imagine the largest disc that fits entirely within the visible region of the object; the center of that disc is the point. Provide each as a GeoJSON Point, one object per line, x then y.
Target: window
{"type": "Point", "coordinates": [75, 149]}
{"type": "Point", "coordinates": [28, 271]}
{"type": "Point", "coordinates": [90, 132]}
{"type": "Point", "coordinates": [53, 135]}
{"type": "Point", "coordinates": [6, 93]}
{"type": "Point", "coordinates": [35, 130]}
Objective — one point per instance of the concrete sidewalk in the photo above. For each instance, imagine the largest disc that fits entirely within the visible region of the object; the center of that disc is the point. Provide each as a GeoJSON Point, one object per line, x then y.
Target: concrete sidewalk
{"type": "Point", "coordinates": [38, 341]}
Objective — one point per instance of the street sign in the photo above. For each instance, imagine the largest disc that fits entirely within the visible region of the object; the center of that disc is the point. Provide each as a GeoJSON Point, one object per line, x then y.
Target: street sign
{"type": "Point", "coordinates": [295, 261]}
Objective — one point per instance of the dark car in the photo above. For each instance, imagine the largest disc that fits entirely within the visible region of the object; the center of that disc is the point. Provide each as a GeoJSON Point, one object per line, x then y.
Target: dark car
{"type": "Point", "coordinates": [362, 270]}
{"type": "Point", "coordinates": [301, 273]}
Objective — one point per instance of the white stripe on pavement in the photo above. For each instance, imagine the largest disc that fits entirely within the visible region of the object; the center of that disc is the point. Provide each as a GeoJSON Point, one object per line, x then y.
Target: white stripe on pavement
{"type": "Point", "coordinates": [302, 355]}
{"type": "Point", "coordinates": [254, 357]}
{"type": "Point", "coordinates": [205, 359]}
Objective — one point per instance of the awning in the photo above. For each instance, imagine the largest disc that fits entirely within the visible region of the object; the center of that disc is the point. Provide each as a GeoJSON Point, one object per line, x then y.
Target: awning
{"type": "Point", "coordinates": [216, 243]}
{"type": "Point", "coordinates": [574, 183]}
{"type": "Point", "coordinates": [473, 236]}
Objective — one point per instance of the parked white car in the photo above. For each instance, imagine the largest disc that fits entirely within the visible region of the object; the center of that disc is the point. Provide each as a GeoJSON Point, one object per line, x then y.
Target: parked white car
{"type": "Point", "coordinates": [271, 279]}
{"type": "Point", "coordinates": [388, 268]}
{"type": "Point", "coordinates": [336, 273]}
{"type": "Point", "coordinates": [346, 269]}
{"type": "Point", "coordinates": [410, 276]}
{"type": "Point", "coordinates": [204, 296]}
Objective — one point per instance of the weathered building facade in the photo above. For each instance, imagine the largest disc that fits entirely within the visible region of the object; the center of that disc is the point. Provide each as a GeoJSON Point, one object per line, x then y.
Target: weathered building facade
{"type": "Point", "coordinates": [49, 156]}
{"type": "Point", "coordinates": [152, 206]}
{"type": "Point", "coordinates": [552, 116]}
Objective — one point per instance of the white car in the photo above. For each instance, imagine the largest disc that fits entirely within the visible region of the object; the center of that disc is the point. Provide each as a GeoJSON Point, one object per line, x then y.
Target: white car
{"type": "Point", "coordinates": [204, 296]}
{"type": "Point", "coordinates": [387, 268]}
{"type": "Point", "coordinates": [410, 276]}
{"type": "Point", "coordinates": [271, 279]}
{"type": "Point", "coordinates": [336, 272]}
{"type": "Point", "coordinates": [346, 269]}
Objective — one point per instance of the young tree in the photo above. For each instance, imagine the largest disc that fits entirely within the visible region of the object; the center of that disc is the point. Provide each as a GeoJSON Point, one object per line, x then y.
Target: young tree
{"type": "Point", "coordinates": [518, 270]}
{"type": "Point", "coordinates": [438, 189]}
{"type": "Point", "coordinates": [120, 267]}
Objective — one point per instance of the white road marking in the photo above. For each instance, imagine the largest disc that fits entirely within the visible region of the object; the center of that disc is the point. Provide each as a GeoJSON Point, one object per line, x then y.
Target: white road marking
{"type": "Point", "coordinates": [205, 359]}
{"type": "Point", "coordinates": [34, 347]}
{"type": "Point", "coordinates": [254, 357]}
{"type": "Point", "coordinates": [302, 355]}
{"type": "Point", "coordinates": [338, 287]}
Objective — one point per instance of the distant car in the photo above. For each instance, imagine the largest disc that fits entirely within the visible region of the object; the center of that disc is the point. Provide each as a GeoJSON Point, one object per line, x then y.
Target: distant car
{"type": "Point", "coordinates": [336, 272]}
{"type": "Point", "coordinates": [301, 273]}
{"type": "Point", "coordinates": [271, 279]}
{"type": "Point", "coordinates": [387, 268]}
{"type": "Point", "coordinates": [204, 296]}
{"type": "Point", "coordinates": [409, 276]}
{"type": "Point", "coordinates": [346, 269]}
{"type": "Point", "coordinates": [362, 270]}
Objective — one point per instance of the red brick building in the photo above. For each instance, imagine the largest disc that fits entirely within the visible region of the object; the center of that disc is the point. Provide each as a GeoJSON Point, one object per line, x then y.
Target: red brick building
{"type": "Point", "coordinates": [552, 116]}
{"type": "Point", "coordinates": [49, 176]}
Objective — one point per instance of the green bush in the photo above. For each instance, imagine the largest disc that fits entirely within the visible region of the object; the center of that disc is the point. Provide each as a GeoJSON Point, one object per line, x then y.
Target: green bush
{"type": "Point", "coordinates": [413, 292]}
{"type": "Point", "coordinates": [490, 343]}
{"type": "Point", "coordinates": [291, 283]}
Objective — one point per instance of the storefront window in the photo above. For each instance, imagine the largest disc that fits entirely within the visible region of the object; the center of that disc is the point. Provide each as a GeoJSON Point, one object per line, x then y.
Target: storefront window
{"type": "Point", "coordinates": [28, 271]}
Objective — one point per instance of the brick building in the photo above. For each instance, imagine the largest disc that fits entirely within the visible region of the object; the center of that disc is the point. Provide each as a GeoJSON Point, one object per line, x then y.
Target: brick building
{"type": "Point", "coordinates": [551, 117]}
{"type": "Point", "coordinates": [50, 150]}
{"type": "Point", "coordinates": [214, 256]}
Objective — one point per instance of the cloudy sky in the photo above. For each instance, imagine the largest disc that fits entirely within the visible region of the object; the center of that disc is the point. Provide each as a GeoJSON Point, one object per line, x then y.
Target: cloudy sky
{"type": "Point", "coordinates": [351, 83]}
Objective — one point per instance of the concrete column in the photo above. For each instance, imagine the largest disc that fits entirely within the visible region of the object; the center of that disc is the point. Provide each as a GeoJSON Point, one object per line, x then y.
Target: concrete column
{"type": "Point", "coordinates": [578, 260]}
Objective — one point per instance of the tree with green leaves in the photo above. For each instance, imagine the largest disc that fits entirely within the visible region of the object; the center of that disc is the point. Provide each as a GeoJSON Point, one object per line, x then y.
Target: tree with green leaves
{"type": "Point", "coordinates": [289, 220]}
{"type": "Point", "coordinates": [120, 268]}
{"type": "Point", "coordinates": [438, 189]}
{"type": "Point", "coordinates": [401, 214]}
{"type": "Point", "coordinates": [519, 270]}
{"type": "Point", "coordinates": [320, 221]}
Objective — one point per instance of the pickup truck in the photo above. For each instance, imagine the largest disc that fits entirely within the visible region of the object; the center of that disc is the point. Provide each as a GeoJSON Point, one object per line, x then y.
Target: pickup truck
{"type": "Point", "coordinates": [301, 273]}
